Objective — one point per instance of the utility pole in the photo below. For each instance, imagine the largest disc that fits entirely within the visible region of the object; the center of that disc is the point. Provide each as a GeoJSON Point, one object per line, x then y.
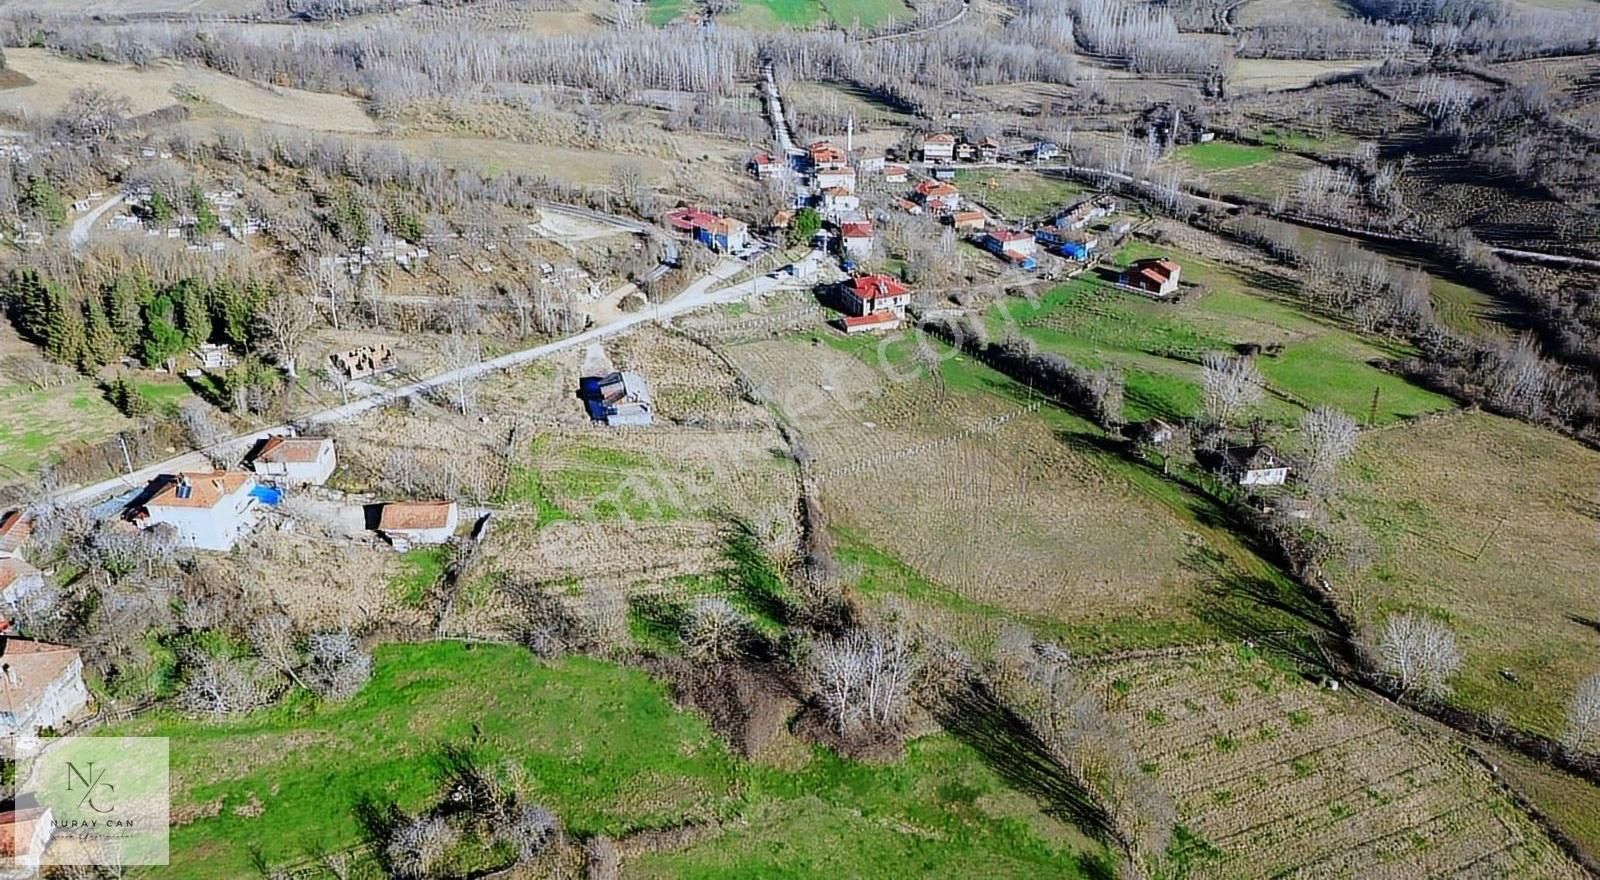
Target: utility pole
{"type": "Point", "coordinates": [127, 461]}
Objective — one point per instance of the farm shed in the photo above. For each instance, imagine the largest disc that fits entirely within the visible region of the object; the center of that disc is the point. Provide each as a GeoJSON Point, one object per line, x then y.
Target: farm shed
{"type": "Point", "coordinates": [621, 398]}
{"type": "Point", "coordinates": [1158, 277]}
{"type": "Point", "coordinates": [406, 523]}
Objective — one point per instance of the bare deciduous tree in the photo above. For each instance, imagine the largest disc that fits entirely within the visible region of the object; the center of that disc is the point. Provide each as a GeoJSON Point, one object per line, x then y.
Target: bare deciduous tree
{"type": "Point", "coordinates": [1419, 653]}
{"type": "Point", "coordinates": [715, 630]}
{"type": "Point", "coordinates": [1229, 387]}
{"type": "Point", "coordinates": [1329, 437]}
{"type": "Point", "coordinates": [1583, 717]}
{"type": "Point", "coordinates": [862, 679]}
{"type": "Point", "coordinates": [284, 320]}
{"type": "Point", "coordinates": [273, 638]}
{"type": "Point", "coordinates": [339, 666]}
{"type": "Point", "coordinates": [218, 686]}
{"type": "Point", "coordinates": [530, 829]}
{"type": "Point", "coordinates": [417, 848]}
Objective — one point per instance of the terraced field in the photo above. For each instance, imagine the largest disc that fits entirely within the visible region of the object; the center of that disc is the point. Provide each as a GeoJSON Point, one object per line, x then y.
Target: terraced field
{"type": "Point", "coordinates": [1275, 777]}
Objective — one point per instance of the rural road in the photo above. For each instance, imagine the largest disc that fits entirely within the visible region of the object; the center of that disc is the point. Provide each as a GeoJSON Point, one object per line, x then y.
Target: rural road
{"type": "Point", "coordinates": [79, 235]}
{"type": "Point", "coordinates": [709, 289]}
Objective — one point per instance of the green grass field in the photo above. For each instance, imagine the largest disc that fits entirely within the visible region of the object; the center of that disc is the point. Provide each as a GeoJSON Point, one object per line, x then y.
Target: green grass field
{"type": "Point", "coordinates": [421, 568]}
{"type": "Point", "coordinates": [1018, 194]}
{"type": "Point", "coordinates": [774, 14]}
{"type": "Point", "coordinates": [37, 426]}
{"type": "Point", "coordinates": [1159, 345]}
{"type": "Point", "coordinates": [1223, 155]}
{"type": "Point", "coordinates": [605, 749]}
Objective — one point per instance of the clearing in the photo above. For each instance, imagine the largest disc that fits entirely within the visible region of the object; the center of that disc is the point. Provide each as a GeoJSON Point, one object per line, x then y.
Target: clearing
{"type": "Point", "coordinates": [1274, 776]}
{"type": "Point", "coordinates": [1489, 524]}
{"type": "Point", "coordinates": [165, 84]}
{"type": "Point", "coordinates": [604, 748]}
{"type": "Point", "coordinates": [1017, 194]}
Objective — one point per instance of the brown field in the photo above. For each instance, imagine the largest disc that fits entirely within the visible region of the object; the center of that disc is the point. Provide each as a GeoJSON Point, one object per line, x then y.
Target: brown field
{"type": "Point", "coordinates": [1492, 525]}
{"type": "Point", "coordinates": [1276, 73]}
{"type": "Point", "coordinates": [1009, 517]}
{"type": "Point", "coordinates": [55, 78]}
{"type": "Point", "coordinates": [1274, 776]}
{"type": "Point", "coordinates": [1254, 12]}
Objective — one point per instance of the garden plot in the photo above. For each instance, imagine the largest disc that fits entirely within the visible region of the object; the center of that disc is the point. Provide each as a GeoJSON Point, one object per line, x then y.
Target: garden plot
{"type": "Point", "coordinates": [1274, 776]}
{"type": "Point", "coordinates": [1007, 515]}
{"type": "Point", "coordinates": [1490, 524]}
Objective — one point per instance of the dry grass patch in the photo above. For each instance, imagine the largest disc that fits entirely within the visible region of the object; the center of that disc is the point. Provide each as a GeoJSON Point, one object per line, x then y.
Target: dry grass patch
{"type": "Point", "coordinates": [1494, 526]}
{"type": "Point", "coordinates": [160, 85]}
{"type": "Point", "coordinates": [1008, 516]}
{"type": "Point", "coordinates": [1274, 776]}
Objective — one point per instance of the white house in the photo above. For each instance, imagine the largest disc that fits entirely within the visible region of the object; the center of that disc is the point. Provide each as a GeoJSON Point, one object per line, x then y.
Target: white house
{"type": "Point", "coordinates": [856, 238]}
{"type": "Point", "coordinates": [17, 580]}
{"type": "Point", "coordinates": [838, 202]}
{"type": "Point", "coordinates": [939, 148]}
{"type": "Point", "coordinates": [406, 523]}
{"type": "Point", "coordinates": [25, 832]}
{"type": "Point", "coordinates": [841, 178]}
{"type": "Point", "coordinates": [1254, 466]}
{"type": "Point", "coordinates": [295, 461]}
{"type": "Point", "coordinates": [41, 685]}
{"type": "Point", "coordinates": [876, 293]}
{"type": "Point", "coordinates": [209, 511]}
{"type": "Point", "coordinates": [15, 529]}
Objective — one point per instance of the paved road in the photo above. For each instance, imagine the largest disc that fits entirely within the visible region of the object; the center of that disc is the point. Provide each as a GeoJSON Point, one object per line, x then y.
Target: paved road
{"type": "Point", "coordinates": [710, 289]}
{"type": "Point", "coordinates": [79, 235]}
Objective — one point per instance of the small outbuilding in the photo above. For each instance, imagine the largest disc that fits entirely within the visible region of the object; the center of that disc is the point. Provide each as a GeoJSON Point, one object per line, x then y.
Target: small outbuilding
{"type": "Point", "coordinates": [1254, 466]}
{"type": "Point", "coordinates": [620, 398]}
{"type": "Point", "coordinates": [409, 523]}
{"type": "Point", "coordinates": [1157, 277]}
{"type": "Point", "coordinates": [295, 461]}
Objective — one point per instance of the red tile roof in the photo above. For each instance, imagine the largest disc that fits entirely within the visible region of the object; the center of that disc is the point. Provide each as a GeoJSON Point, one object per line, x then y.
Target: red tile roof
{"type": "Point", "coordinates": [856, 229]}
{"type": "Point", "coordinates": [873, 286]}
{"type": "Point", "coordinates": [295, 450]}
{"type": "Point", "coordinates": [929, 188]}
{"type": "Point", "coordinates": [13, 570]}
{"type": "Point", "coordinates": [939, 139]}
{"type": "Point", "coordinates": [15, 528]}
{"type": "Point", "coordinates": [409, 515]}
{"type": "Point", "coordinates": [872, 320]}
{"type": "Point", "coordinates": [205, 489]}
{"type": "Point", "coordinates": [1005, 235]}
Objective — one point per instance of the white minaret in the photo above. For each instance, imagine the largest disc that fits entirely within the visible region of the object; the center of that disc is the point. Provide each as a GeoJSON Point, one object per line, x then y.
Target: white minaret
{"type": "Point", "coordinates": [849, 134]}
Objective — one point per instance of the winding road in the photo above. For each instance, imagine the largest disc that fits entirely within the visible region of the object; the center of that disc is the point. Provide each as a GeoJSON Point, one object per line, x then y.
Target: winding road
{"type": "Point", "coordinates": [78, 236]}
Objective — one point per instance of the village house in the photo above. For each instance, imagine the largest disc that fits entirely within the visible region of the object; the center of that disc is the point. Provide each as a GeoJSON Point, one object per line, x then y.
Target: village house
{"type": "Point", "coordinates": [838, 203]}
{"type": "Point", "coordinates": [856, 238]}
{"type": "Point", "coordinates": [1157, 277]}
{"type": "Point", "coordinates": [1045, 151]}
{"type": "Point", "coordinates": [295, 461]}
{"type": "Point", "coordinates": [1254, 466]}
{"type": "Point", "coordinates": [15, 529]}
{"type": "Point", "coordinates": [877, 322]}
{"type": "Point", "coordinates": [895, 173]}
{"type": "Point", "coordinates": [25, 832]}
{"type": "Point", "coordinates": [909, 207]}
{"type": "Point", "coordinates": [831, 178]}
{"type": "Point", "coordinates": [824, 156]}
{"type": "Point", "coordinates": [1087, 211]}
{"type": "Point", "coordinates": [764, 167]}
{"type": "Point", "coordinates": [966, 152]}
{"type": "Point", "coordinates": [617, 398]}
{"type": "Point", "coordinates": [937, 197]}
{"type": "Point", "coordinates": [364, 362]}
{"type": "Point", "coordinates": [42, 685]}
{"type": "Point", "coordinates": [988, 150]}
{"type": "Point", "coordinates": [868, 294]}
{"type": "Point", "coordinates": [939, 148]}
{"type": "Point", "coordinates": [209, 511]}
{"type": "Point", "coordinates": [972, 220]}
{"type": "Point", "coordinates": [712, 230]}
{"type": "Point", "coordinates": [1074, 244]}
{"type": "Point", "coordinates": [17, 580]}
{"type": "Point", "coordinates": [1012, 245]}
